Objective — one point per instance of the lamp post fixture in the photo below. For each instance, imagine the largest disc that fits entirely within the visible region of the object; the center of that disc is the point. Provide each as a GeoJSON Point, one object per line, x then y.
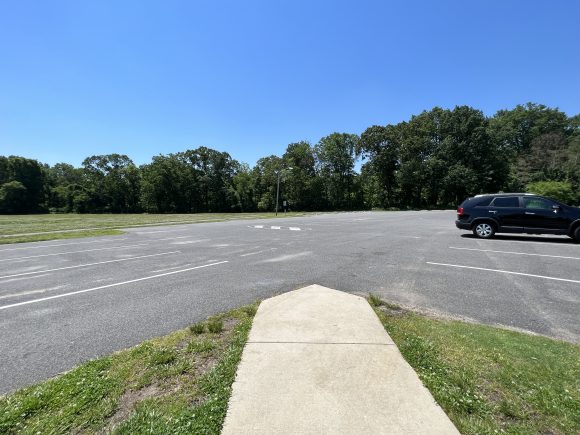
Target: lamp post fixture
{"type": "Point", "coordinates": [279, 172]}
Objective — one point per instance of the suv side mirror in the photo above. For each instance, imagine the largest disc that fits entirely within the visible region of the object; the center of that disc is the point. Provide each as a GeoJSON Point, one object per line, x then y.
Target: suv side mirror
{"type": "Point", "coordinates": [556, 207]}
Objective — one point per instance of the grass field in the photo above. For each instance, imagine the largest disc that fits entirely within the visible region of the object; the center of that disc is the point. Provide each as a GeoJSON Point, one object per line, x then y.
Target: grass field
{"type": "Point", "coordinates": [30, 228]}
{"type": "Point", "coordinates": [179, 383]}
{"type": "Point", "coordinates": [490, 380]}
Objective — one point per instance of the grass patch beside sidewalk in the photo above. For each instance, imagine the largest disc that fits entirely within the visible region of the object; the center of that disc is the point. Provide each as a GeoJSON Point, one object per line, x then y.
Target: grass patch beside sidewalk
{"type": "Point", "coordinates": [490, 380]}
{"type": "Point", "coordinates": [179, 383]}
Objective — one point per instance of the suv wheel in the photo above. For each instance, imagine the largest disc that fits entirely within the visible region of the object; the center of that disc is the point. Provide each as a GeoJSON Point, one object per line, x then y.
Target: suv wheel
{"type": "Point", "coordinates": [577, 234]}
{"type": "Point", "coordinates": [484, 230]}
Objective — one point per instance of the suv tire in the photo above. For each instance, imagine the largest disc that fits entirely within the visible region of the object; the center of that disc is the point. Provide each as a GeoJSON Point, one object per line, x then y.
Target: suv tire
{"type": "Point", "coordinates": [576, 235]}
{"type": "Point", "coordinates": [484, 230]}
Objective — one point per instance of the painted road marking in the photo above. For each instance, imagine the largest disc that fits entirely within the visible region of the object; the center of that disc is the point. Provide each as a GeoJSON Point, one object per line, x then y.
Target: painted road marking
{"type": "Point", "coordinates": [276, 227]}
{"type": "Point", "coordinates": [516, 253]}
{"type": "Point", "coordinates": [34, 301]}
{"type": "Point", "coordinates": [187, 242]}
{"type": "Point", "coordinates": [31, 292]}
{"type": "Point", "coordinates": [170, 238]}
{"type": "Point", "coordinates": [25, 277]}
{"type": "Point", "coordinates": [287, 257]}
{"type": "Point", "coordinates": [505, 271]}
{"type": "Point", "coordinates": [258, 252]}
{"type": "Point", "coordinates": [89, 264]}
{"type": "Point", "coordinates": [565, 242]}
{"type": "Point", "coordinates": [169, 268]}
{"type": "Point", "coordinates": [77, 252]}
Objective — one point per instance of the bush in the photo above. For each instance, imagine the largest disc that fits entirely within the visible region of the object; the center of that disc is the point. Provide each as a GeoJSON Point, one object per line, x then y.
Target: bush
{"type": "Point", "coordinates": [374, 300]}
{"type": "Point", "coordinates": [216, 326]}
{"type": "Point", "coordinates": [250, 310]}
{"type": "Point", "coordinates": [559, 190]}
{"type": "Point", "coordinates": [162, 356]}
{"type": "Point", "coordinates": [197, 328]}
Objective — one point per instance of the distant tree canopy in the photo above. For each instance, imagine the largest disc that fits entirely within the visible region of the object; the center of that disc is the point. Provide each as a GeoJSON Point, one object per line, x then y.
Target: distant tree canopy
{"type": "Point", "coordinates": [433, 160]}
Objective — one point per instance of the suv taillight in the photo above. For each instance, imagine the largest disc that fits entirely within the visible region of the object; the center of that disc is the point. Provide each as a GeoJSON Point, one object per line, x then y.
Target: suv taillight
{"type": "Point", "coordinates": [459, 211]}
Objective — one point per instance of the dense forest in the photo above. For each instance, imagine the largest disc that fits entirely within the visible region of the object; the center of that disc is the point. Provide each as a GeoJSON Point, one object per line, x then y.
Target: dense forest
{"type": "Point", "coordinates": [434, 160]}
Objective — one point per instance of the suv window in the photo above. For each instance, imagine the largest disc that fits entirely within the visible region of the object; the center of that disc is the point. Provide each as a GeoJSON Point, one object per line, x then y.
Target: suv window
{"type": "Point", "coordinates": [540, 203]}
{"type": "Point", "coordinates": [509, 201]}
{"type": "Point", "coordinates": [484, 202]}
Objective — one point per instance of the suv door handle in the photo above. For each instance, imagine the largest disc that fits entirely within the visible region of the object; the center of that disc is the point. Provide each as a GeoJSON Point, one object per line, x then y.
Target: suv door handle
{"type": "Point", "coordinates": [529, 212]}
{"type": "Point", "coordinates": [493, 211]}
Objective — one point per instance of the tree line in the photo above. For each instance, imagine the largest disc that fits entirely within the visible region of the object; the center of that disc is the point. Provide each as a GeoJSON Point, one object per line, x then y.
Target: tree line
{"type": "Point", "coordinates": [433, 160]}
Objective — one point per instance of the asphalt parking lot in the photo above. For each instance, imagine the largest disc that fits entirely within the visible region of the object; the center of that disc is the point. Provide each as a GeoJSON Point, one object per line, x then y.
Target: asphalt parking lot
{"type": "Point", "coordinates": [64, 302]}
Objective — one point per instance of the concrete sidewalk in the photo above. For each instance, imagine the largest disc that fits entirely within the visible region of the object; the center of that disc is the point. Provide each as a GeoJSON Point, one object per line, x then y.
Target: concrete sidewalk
{"type": "Point", "coordinates": [318, 361]}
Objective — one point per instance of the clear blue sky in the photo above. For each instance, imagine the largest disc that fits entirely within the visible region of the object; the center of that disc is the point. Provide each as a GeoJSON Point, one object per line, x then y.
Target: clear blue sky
{"type": "Point", "coordinates": [140, 78]}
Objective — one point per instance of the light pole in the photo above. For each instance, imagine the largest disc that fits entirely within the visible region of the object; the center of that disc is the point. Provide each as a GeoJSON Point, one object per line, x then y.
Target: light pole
{"type": "Point", "coordinates": [279, 172]}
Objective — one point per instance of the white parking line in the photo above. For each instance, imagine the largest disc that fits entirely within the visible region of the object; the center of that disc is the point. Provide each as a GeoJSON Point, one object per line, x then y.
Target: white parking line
{"type": "Point", "coordinates": [287, 257]}
{"type": "Point", "coordinates": [187, 242]}
{"type": "Point", "coordinates": [170, 238]}
{"type": "Point", "coordinates": [258, 252]}
{"type": "Point", "coordinates": [25, 277]}
{"type": "Point", "coordinates": [504, 271]}
{"type": "Point", "coordinates": [34, 301]}
{"type": "Point", "coordinates": [294, 229]}
{"type": "Point", "coordinates": [274, 228]}
{"type": "Point", "coordinates": [515, 253]}
{"type": "Point", "coordinates": [76, 252]}
{"type": "Point", "coordinates": [89, 264]}
{"type": "Point", "coordinates": [31, 292]}
{"type": "Point", "coordinates": [564, 242]}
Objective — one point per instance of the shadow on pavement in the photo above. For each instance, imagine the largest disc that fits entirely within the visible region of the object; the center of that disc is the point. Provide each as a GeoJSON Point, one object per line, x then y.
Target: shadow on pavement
{"type": "Point", "coordinates": [564, 240]}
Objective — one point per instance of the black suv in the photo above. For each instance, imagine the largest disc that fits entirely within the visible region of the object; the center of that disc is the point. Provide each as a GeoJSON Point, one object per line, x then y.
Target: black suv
{"type": "Point", "coordinates": [486, 215]}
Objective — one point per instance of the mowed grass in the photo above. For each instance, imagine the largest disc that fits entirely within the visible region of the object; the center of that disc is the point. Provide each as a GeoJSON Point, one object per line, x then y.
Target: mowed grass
{"type": "Point", "coordinates": [61, 226]}
{"type": "Point", "coordinates": [491, 380]}
{"type": "Point", "coordinates": [179, 383]}
{"type": "Point", "coordinates": [58, 236]}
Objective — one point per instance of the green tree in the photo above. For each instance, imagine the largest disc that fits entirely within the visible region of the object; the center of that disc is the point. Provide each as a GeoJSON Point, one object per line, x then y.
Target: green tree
{"type": "Point", "coordinates": [243, 188]}
{"type": "Point", "coordinates": [381, 145]}
{"type": "Point", "coordinates": [13, 198]}
{"type": "Point", "coordinates": [299, 188]}
{"type": "Point", "coordinates": [265, 175]}
{"type": "Point", "coordinates": [65, 182]}
{"type": "Point", "coordinates": [112, 182]}
{"type": "Point", "coordinates": [29, 173]}
{"type": "Point", "coordinates": [335, 155]}
{"type": "Point", "coordinates": [515, 129]}
{"type": "Point", "coordinates": [169, 185]}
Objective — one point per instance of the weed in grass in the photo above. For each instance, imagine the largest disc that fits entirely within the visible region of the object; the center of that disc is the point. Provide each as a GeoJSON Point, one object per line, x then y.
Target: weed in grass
{"type": "Point", "coordinates": [215, 326]}
{"type": "Point", "coordinates": [250, 310]}
{"type": "Point", "coordinates": [203, 346]}
{"type": "Point", "coordinates": [197, 328]}
{"type": "Point", "coordinates": [374, 300]}
{"type": "Point", "coordinates": [393, 307]}
{"type": "Point", "coordinates": [162, 356]}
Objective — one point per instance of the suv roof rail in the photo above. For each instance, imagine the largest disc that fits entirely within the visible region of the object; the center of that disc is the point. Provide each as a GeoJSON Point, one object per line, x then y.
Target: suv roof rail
{"type": "Point", "coordinates": [505, 193]}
